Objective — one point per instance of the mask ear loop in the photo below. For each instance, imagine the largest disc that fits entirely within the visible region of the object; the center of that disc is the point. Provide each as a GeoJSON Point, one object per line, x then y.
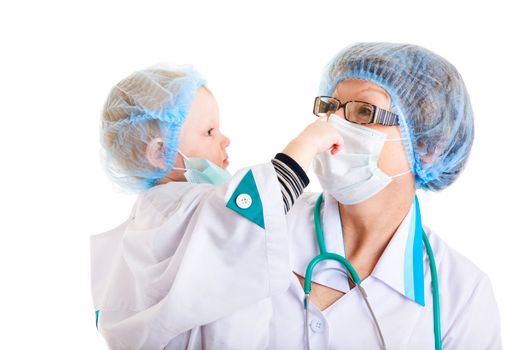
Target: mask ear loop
{"type": "Point", "coordinates": [177, 168]}
{"type": "Point", "coordinates": [185, 158]}
{"type": "Point", "coordinates": [403, 173]}
{"type": "Point", "coordinates": [396, 139]}
{"type": "Point", "coordinates": [182, 154]}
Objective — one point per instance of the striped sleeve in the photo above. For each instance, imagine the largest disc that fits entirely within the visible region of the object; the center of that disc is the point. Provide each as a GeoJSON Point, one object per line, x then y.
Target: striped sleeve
{"type": "Point", "coordinates": [291, 177]}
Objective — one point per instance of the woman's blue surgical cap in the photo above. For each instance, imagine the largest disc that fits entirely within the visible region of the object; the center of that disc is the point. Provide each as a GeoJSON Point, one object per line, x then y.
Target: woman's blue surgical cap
{"type": "Point", "coordinates": [149, 104]}
{"type": "Point", "coordinates": [427, 93]}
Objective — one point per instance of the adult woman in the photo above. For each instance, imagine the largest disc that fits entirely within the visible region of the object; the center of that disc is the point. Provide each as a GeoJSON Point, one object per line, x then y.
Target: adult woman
{"type": "Point", "coordinates": [242, 287]}
{"type": "Point", "coordinates": [406, 120]}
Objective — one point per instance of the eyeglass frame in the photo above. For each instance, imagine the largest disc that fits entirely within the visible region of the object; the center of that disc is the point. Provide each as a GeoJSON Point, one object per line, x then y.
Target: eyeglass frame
{"type": "Point", "coordinates": [379, 115]}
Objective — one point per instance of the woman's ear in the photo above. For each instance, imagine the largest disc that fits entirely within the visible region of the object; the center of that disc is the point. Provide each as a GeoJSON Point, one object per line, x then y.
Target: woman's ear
{"type": "Point", "coordinates": [155, 153]}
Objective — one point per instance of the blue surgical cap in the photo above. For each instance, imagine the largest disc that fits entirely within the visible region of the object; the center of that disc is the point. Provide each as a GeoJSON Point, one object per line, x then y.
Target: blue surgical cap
{"type": "Point", "coordinates": [427, 93]}
{"type": "Point", "coordinates": [149, 104]}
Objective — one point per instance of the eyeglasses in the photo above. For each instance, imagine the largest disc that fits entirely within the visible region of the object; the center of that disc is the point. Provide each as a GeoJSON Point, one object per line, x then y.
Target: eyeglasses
{"type": "Point", "coordinates": [355, 111]}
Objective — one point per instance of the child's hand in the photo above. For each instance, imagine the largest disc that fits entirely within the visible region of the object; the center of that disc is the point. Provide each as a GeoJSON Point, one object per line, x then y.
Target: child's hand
{"type": "Point", "coordinates": [316, 138]}
{"type": "Point", "coordinates": [322, 135]}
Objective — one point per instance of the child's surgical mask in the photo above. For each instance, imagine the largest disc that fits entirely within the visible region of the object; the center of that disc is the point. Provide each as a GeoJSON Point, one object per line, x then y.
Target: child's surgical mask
{"type": "Point", "coordinates": [201, 170]}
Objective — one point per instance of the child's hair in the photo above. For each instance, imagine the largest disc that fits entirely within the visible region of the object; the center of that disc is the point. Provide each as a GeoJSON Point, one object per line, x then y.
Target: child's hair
{"type": "Point", "coordinates": [148, 104]}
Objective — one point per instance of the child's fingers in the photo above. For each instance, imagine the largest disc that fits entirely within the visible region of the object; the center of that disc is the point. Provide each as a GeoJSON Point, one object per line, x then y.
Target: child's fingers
{"type": "Point", "coordinates": [336, 147]}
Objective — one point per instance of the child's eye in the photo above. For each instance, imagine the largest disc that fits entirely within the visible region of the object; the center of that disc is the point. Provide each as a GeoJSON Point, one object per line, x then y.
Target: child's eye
{"type": "Point", "coordinates": [210, 132]}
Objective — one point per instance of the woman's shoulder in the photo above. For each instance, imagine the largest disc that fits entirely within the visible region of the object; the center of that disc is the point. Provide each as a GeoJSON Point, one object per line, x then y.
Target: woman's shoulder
{"type": "Point", "coordinates": [463, 286]}
{"type": "Point", "coordinates": [468, 308]}
{"type": "Point", "coordinates": [451, 264]}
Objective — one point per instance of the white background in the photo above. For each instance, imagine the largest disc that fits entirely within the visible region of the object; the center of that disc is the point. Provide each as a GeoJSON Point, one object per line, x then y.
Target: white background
{"type": "Point", "coordinates": [263, 62]}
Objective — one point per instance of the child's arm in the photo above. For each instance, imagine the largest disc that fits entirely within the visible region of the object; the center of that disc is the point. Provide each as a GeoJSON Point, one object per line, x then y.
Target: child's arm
{"type": "Point", "coordinates": [292, 164]}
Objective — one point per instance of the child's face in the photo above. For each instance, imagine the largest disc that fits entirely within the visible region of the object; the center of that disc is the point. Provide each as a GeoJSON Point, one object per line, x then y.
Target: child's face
{"type": "Point", "coordinates": [200, 135]}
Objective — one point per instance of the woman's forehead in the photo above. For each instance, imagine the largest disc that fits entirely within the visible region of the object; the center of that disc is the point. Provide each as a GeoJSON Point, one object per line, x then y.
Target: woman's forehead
{"type": "Point", "coordinates": [358, 86]}
{"type": "Point", "coordinates": [362, 89]}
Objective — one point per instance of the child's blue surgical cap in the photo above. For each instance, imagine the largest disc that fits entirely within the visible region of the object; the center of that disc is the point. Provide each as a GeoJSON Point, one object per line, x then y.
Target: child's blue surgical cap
{"type": "Point", "coordinates": [427, 93]}
{"type": "Point", "coordinates": [149, 104]}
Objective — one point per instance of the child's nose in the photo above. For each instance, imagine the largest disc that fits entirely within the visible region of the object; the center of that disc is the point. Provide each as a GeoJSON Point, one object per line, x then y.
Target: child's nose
{"type": "Point", "coordinates": [225, 142]}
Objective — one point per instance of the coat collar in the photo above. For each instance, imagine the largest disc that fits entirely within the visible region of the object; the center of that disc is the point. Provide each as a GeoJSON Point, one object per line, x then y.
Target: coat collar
{"type": "Point", "coordinates": [400, 266]}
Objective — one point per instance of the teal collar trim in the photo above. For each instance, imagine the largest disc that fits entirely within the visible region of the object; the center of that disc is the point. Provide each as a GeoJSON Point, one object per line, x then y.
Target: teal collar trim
{"type": "Point", "coordinates": [401, 264]}
{"type": "Point", "coordinates": [414, 280]}
{"type": "Point", "coordinates": [246, 200]}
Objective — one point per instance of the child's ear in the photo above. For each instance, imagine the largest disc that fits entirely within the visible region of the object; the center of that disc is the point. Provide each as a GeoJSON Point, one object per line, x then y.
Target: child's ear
{"type": "Point", "coordinates": [155, 153]}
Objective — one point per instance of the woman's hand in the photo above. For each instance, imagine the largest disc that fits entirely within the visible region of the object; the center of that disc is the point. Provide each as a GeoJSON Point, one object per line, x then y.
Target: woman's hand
{"type": "Point", "coordinates": [316, 138]}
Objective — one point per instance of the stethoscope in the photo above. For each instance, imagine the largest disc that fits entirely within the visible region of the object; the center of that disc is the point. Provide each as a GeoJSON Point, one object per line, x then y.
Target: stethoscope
{"type": "Point", "coordinates": [352, 274]}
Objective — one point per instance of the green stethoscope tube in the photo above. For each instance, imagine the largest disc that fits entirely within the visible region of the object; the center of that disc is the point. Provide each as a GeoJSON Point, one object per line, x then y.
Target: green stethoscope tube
{"type": "Point", "coordinates": [324, 255]}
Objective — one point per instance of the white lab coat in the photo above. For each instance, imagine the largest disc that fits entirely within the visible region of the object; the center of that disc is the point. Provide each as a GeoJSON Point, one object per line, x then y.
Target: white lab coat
{"type": "Point", "coordinates": [184, 259]}
{"type": "Point", "coordinates": [187, 272]}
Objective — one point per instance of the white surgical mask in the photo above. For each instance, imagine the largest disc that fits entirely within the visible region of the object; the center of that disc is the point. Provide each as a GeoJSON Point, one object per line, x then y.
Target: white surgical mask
{"type": "Point", "coordinates": [201, 170]}
{"type": "Point", "coordinates": [352, 175]}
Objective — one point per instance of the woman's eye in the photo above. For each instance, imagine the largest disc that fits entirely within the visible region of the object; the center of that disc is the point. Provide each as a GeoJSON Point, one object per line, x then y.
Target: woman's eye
{"type": "Point", "coordinates": [332, 107]}
{"type": "Point", "coordinates": [365, 111]}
